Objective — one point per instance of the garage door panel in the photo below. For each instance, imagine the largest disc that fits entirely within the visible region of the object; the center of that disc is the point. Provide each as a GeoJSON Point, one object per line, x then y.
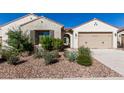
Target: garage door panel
{"type": "Point", "coordinates": [95, 40]}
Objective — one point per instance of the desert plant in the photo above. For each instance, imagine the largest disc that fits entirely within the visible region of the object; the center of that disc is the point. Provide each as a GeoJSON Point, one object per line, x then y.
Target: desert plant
{"type": "Point", "coordinates": [39, 52]}
{"type": "Point", "coordinates": [55, 53]}
{"type": "Point", "coordinates": [49, 43]}
{"type": "Point", "coordinates": [6, 53]}
{"type": "Point", "coordinates": [84, 56]}
{"type": "Point", "coordinates": [46, 42]}
{"type": "Point", "coordinates": [84, 60]}
{"type": "Point", "coordinates": [83, 50]}
{"type": "Point", "coordinates": [13, 60]}
{"type": "Point", "coordinates": [10, 55]}
{"type": "Point", "coordinates": [19, 40]}
{"type": "Point", "coordinates": [28, 45]}
{"type": "Point", "coordinates": [49, 57]}
{"type": "Point", "coordinates": [71, 56]}
{"type": "Point", "coordinates": [57, 44]}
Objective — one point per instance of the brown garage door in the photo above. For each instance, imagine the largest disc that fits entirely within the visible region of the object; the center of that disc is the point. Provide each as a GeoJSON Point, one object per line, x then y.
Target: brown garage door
{"type": "Point", "coordinates": [95, 40]}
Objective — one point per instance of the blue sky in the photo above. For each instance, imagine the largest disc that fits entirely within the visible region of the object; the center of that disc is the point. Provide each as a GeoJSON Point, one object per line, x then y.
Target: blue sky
{"type": "Point", "coordinates": [71, 19]}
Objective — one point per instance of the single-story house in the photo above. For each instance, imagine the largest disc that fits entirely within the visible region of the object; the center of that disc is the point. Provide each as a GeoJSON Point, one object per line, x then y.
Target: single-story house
{"type": "Point", "coordinates": [93, 34]}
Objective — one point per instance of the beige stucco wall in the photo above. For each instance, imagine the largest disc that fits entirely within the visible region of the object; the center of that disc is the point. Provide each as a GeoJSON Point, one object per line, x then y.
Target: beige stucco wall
{"type": "Point", "coordinates": [43, 24]}
{"type": "Point", "coordinates": [91, 27]}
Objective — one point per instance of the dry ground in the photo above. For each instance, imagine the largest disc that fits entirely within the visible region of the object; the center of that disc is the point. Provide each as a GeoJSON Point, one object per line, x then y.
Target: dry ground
{"type": "Point", "coordinates": [35, 68]}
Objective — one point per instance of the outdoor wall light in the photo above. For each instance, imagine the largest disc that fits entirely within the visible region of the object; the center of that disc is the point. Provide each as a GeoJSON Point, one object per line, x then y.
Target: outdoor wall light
{"type": "Point", "coordinates": [31, 18]}
{"type": "Point", "coordinates": [76, 35]}
{"type": "Point", "coordinates": [95, 24]}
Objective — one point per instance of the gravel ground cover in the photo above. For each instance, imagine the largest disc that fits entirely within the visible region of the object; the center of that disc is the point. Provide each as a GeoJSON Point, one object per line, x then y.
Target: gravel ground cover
{"type": "Point", "coordinates": [31, 68]}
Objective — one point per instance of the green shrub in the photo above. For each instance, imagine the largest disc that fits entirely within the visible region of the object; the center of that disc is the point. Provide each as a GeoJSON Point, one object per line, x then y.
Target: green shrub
{"type": "Point", "coordinates": [46, 42]}
{"type": "Point", "coordinates": [72, 56]}
{"type": "Point", "coordinates": [84, 56]}
{"type": "Point", "coordinates": [13, 60]}
{"type": "Point", "coordinates": [49, 58]}
{"type": "Point", "coordinates": [19, 40]}
{"type": "Point", "coordinates": [28, 46]}
{"type": "Point", "coordinates": [39, 52]}
{"type": "Point", "coordinates": [6, 53]}
{"type": "Point", "coordinates": [49, 43]}
{"type": "Point", "coordinates": [57, 44]}
{"type": "Point", "coordinates": [10, 55]}
{"type": "Point", "coordinates": [83, 50]}
{"type": "Point", "coordinates": [84, 60]}
{"type": "Point", "coordinates": [55, 53]}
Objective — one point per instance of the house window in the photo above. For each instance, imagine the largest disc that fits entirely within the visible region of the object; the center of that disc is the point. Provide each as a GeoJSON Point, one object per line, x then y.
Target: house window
{"type": "Point", "coordinates": [38, 34]}
{"type": "Point", "coordinates": [45, 33]}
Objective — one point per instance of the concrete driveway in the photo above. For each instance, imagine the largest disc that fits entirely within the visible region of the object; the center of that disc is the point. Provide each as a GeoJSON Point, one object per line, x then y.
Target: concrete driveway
{"type": "Point", "coordinates": [112, 58]}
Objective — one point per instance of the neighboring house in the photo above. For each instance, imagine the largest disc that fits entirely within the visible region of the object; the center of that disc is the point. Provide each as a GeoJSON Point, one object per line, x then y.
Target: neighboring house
{"type": "Point", "coordinates": [93, 34]}
{"type": "Point", "coordinates": [33, 25]}
{"type": "Point", "coordinates": [121, 37]}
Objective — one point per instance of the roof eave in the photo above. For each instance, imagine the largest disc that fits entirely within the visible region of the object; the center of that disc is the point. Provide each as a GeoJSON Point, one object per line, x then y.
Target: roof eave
{"type": "Point", "coordinates": [93, 20]}
{"type": "Point", "coordinates": [18, 19]}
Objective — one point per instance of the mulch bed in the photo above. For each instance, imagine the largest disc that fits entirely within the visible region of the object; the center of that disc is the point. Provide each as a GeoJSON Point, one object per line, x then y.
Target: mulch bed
{"type": "Point", "coordinates": [35, 68]}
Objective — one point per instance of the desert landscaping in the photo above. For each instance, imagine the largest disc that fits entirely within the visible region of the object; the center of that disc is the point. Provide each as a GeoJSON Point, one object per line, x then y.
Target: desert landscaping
{"type": "Point", "coordinates": [31, 68]}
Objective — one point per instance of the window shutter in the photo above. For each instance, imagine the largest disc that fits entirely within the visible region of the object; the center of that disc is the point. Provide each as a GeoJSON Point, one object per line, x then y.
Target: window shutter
{"type": "Point", "coordinates": [52, 33]}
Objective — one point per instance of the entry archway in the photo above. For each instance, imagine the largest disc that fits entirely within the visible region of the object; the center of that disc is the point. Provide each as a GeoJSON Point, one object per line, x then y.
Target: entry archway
{"type": "Point", "coordinates": [68, 40]}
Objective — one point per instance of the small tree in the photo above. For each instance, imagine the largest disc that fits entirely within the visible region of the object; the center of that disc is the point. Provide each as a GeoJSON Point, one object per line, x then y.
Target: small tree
{"type": "Point", "coordinates": [19, 40]}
